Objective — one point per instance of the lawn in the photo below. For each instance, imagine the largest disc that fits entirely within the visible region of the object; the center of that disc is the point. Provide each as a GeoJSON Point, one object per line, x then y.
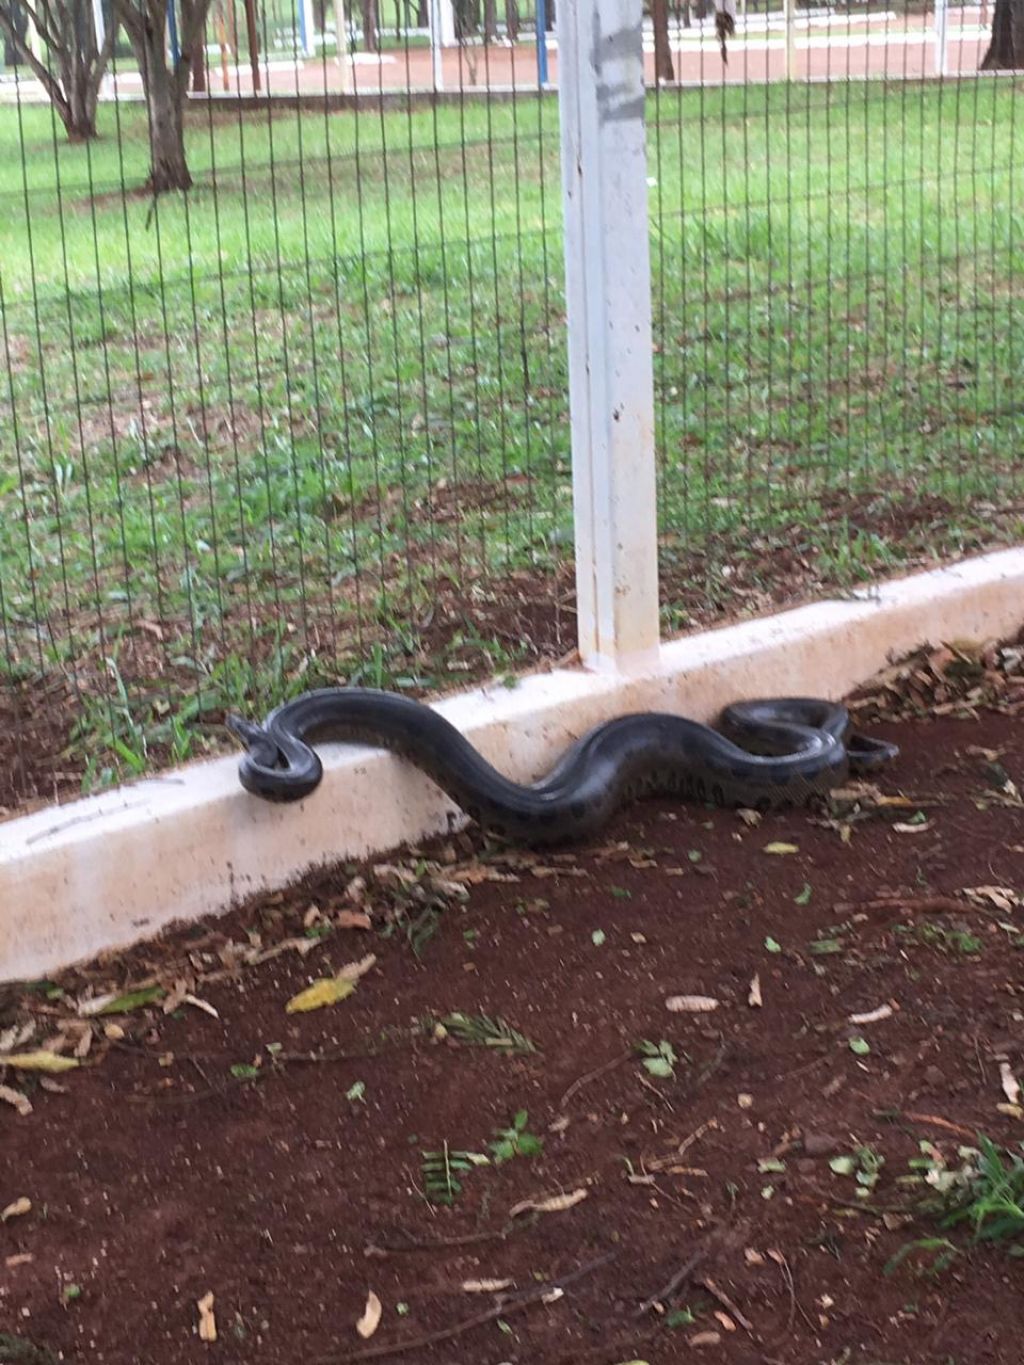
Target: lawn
{"type": "Point", "coordinates": [311, 422]}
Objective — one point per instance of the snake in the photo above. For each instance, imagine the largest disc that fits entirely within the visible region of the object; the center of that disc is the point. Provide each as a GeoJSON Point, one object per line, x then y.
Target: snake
{"type": "Point", "coordinates": [783, 751]}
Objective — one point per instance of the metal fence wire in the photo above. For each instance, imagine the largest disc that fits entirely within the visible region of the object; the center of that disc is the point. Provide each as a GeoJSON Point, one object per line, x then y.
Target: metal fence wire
{"type": "Point", "coordinates": [308, 423]}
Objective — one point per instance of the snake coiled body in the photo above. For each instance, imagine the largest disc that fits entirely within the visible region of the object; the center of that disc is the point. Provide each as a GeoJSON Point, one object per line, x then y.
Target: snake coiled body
{"type": "Point", "coordinates": [786, 751]}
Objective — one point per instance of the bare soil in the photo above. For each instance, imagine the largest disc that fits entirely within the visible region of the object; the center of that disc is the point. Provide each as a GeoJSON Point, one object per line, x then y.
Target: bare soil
{"type": "Point", "coordinates": [276, 1160]}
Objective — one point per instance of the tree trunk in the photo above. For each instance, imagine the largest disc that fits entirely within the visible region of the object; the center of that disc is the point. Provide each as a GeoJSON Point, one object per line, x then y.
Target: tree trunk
{"type": "Point", "coordinates": [490, 21]}
{"type": "Point", "coordinates": [199, 65]}
{"type": "Point", "coordinates": [371, 38]}
{"type": "Point", "coordinates": [423, 14]}
{"type": "Point", "coordinates": [512, 20]}
{"type": "Point", "coordinates": [168, 167]}
{"type": "Point", "coordinates": [663, 68]}
{"type": "Point", "coordinates": [1006, 50]}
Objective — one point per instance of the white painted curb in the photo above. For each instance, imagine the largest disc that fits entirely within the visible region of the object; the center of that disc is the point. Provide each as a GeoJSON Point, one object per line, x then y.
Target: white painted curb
{"type": "Point", "coordinates": [108, 870]}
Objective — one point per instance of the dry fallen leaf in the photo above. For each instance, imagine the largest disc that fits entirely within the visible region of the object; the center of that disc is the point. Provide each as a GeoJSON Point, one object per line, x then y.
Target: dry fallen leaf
{"type": "Point", "coordinates": [207, 1322]}
{"type": "Point", "coordinates": [20, 1102]}
{"type": "Point", "coordinates": [19, 1258]}
{"type": "Point", "coordinates": [754, 996]}
{"type": "Point", "coordinates": [370, 1321]}
{"type": "Point", "coordinates": [558, 1203]}
{"type": "Point", "coordinates": [691, 1004]}
{"type": "Point", "coordinates": [1002, 897]}
{"type": "Point", "coordinates": [1011, 1088]}
{"type": "Point", "coordinates": [485, 1286]}
{"type": "Point", "coordinates": [352, 919]}
{"type": "Point", "coordinates": [780, 848]}
{"type": "Point", "coordinates": [902, 827]}
{"type": "Point", "coordinates": [872, 1016]}
{"type": "Point", "coordinates": [330, 989]}
{"type": "Point", "coordinates": [41, 1060]}
{"type": "Point", "coordinates": [16, 1210]}
{"type": "Point", "coordinates": [327, 991]}
{"type": "Point", "coordinates": [199, 1004]}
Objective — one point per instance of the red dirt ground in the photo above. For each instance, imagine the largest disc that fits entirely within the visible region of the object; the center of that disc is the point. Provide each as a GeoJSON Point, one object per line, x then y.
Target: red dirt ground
{"type": "Point", "coordinates": [293, 1186]}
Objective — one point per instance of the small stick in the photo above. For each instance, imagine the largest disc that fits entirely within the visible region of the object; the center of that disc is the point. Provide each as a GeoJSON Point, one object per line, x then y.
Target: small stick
{"type": "Point", "coordinates": [677, 1281]}
{"type": "Point", "coordinates": [941, 1123]}
{"type": "Point", "coordinates": [468, 1239]}
{"type": "Point", "coordinates": [727, 1303]}
{"type": "Point", "coordinates": [593, 1076]}
{"type": "Point", "coordinates": [505, 1306]}
{"type": "Point", "coordinates": [924, 904]}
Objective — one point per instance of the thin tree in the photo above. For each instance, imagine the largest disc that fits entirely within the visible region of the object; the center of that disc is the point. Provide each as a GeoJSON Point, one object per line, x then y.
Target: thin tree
{"type": "Point", "coordinates": [663, 68]}
{"type": "Point", "coordinates": [1006, 49]}
{"type": "Point", "coordinates": [76, 63]}
{"type": "Point", "coordinates": [164, 81]}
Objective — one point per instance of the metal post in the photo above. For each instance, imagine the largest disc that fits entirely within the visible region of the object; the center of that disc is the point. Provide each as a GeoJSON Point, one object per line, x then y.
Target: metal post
{"type": "Point", "coordinates": [608, 297]}
{"type": "Point", "coordinates": [342, 54]}
{"type": "Point", "coordinates": [941, 46]}
{"type": "Point", "coordinates": [172, 27]}
{"type": "Point", "coordinates": [436, 48]}
{"type": "Point", "coordinates": [307, 28]}
{"type": "Point", "coordinates": [789, 12]}
{"type": "Point", "coordinates": [542, 43]}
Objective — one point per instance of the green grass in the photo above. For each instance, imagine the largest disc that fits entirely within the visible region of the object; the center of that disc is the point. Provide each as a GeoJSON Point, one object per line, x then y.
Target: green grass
{"type": "Point", "coordinates": [311, 422]}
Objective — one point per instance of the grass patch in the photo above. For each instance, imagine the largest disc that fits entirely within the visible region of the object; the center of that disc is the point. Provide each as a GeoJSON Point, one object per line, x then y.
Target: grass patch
{"type": "Point", "coordinates": [310, 423]}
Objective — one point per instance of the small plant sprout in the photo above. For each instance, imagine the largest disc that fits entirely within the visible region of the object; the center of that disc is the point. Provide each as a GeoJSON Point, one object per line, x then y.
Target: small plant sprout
{"type": "Point", "coordinates": [441, 1171]}
{"type": "Point", "coordinates": [659, 1059]}
{"type": "Point", "coordinates": [515, 1140]}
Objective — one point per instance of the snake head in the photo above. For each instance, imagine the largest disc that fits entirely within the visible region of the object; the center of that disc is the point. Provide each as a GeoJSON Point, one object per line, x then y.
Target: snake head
{"type": "Point", "coordinates": [261, 750]}
{"type": "Point", "coordinates": [245, 730]}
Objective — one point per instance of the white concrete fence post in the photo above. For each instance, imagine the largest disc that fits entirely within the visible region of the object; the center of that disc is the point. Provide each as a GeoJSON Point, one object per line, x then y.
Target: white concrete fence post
{"type": "Point", "coordinates": [608, 297]}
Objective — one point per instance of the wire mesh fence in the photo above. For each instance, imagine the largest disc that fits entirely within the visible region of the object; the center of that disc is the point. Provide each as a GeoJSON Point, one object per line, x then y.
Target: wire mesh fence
{"type": "Point", "coordinates": [308, 423]}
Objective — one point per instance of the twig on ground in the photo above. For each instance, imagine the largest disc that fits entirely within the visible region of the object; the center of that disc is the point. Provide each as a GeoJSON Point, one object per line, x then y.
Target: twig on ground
{"type": "Point", "coordinates": [412, 1244]}
{"type": "Point", "coordinates": [504, 1307]}
{"type": "Point", "coordinates": [914, 904]}
{"type": "Point", "coordinates": [669, 1291]}
{"type": "Point", "coordinates": [597, 1072]}
{"type": "Point", "coordinates": [727, 1303]}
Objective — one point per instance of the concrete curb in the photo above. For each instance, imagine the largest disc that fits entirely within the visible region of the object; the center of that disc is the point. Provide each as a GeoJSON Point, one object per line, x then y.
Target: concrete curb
{"type": "Point", "coordinates": [106, 871]}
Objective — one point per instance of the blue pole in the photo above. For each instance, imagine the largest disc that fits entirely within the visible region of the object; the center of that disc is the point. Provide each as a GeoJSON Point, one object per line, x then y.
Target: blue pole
{"type": "Point", "coordinates": [172, 27]}
{"type": "Point", "coordinates": [303, 36]}
{"type": "Point", "coordinates": [542, 42]}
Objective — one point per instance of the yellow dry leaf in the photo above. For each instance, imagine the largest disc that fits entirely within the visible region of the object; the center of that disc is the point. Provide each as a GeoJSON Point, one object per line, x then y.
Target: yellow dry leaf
{"type": "Point", "coordinates": [370, 1321]}
{"type": "Point", "coordinates": [327, 991]}
{"type": "Point", "coordinates": [485, 1286]}
{"type": "Point", "coordinates": [781, 848]}
{"type": "Point", "coordinates": [16, 1210]}
{"type": "Point", "coordinates": [207, 1322]}
{"type": "Point", "coordinates": [41, 1060]}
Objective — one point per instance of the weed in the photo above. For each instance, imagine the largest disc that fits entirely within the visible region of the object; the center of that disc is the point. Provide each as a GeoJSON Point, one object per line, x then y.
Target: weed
{"type": "Point", "coordinates": [658, 1058]}
{"type": "Point", "coordinates": [515, 1140]}
{"type": "Point", "coordinates": [481, 1031]}
{"type": "Point", "coordinates": [441, 1171]}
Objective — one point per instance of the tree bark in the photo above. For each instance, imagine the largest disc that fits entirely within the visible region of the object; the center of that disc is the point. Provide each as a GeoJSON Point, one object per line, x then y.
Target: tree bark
{"type": "Point", "coordinates": [1006, 49]}
{"type": "Point", "coordinates": [512, 20]}
{"type": "Point", "coordinates": [371, 37]}
{"type": "Point", "coordinates": [663, 68]}
{"type": "Point", "coordinates": [490, 21]}
{"type": "Point", "coordinates": [75, 66]}
{"type": "Point", "coordinates": [199, 65]}
{"type": "Point", "coordinates": [168, 169]}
